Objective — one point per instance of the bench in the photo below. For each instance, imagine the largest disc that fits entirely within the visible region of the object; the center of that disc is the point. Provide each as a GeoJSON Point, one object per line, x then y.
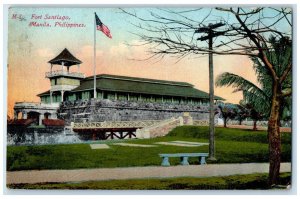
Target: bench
{"type": "Point", "coordinates": [184, 157]}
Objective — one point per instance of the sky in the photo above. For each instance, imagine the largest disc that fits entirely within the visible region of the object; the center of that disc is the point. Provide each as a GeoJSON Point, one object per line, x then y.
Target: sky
{"type": "Point", "coordinates": [30, 48]}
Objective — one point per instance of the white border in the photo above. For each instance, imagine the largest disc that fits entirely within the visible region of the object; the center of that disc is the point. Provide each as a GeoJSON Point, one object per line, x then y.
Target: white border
{"type": "Point", "coordinates": [110, 194]}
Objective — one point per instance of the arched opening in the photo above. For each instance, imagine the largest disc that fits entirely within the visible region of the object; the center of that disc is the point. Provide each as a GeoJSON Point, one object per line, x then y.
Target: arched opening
{"type": "Point", "coordinates": [47, 115]}
{"type": "Point", "coordinates": [33, 115]}
{"type": "Point", "coordinates": [68, 96]}
{"type": "Point", "coordinates": [56, 97]}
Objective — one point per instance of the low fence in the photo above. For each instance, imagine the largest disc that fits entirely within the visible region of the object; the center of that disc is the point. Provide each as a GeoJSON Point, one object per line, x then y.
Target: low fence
{"type": "Point", "coordinates": [201, 122]}
{"type": "Point", "coordinates": [114, 124]}
{"type": "Point", "coordinates": [259, 123]}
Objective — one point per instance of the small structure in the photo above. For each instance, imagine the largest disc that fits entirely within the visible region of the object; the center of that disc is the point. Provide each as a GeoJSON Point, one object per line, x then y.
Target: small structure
{"type": "Point", "coordinates": [34, 110]}
{"type": "Point", "coordinates": [62, 81]}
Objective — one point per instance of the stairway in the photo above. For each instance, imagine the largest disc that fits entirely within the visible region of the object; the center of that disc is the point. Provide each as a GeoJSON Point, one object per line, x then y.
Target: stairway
{"type": "Point", "coordinates": [159, 129]}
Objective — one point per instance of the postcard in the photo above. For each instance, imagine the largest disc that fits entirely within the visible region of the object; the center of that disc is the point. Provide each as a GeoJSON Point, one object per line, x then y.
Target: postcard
{"type": "Point", "coordinates": [149, 98]}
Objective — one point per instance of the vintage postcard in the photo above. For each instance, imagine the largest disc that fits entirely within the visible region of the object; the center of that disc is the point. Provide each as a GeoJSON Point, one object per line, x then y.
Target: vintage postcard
{"type": "Point", "coordinates": [149, 98]}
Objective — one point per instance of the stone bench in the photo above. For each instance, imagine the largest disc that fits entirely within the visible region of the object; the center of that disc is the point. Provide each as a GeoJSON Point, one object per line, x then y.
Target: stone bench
{"type": "Point", "coordinates": [184, 157]}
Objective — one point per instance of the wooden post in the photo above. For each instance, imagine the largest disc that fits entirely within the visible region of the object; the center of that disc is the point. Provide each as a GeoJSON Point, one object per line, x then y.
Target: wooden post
{"type": "Point", "coordinates": [16, 115]}
{"type": "Point", "coordinates": [24, 115]}
{"type": "Point", "coordinates": [211, 34]}
{"type": "Point", "coordinates": [112, 135]}
{"type": "Point", "coordinates": [62, 95]}
{"type": "Point", "coordinates": [50, 97]}
{"type": "Point", "coordinates": [211, 102]}
{"type": "Point", "coordinates": [94, 135]}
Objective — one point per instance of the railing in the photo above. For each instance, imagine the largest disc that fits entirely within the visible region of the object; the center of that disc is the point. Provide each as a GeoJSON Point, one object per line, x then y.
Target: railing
{"type": "Point", "coordinates": [27, 103]}
{"type": "Point", "coordinates": [147, 132]}
{"type": "Point", "coordinates": [65, 73]}
{"type": "Point", "coordinates": [200, 122]}
{"type": "Point", "coordinates": [115, 124]}
{"type": "Point", "coordinates": [160, 123]}
{"type": "Point", "coordinates": [21, 105]}
{"type": "Point", "coordinates": [259, 123]}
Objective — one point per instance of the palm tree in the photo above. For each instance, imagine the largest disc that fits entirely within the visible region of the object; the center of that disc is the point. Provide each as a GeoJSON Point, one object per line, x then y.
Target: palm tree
{"type": "Point", "coordinates": [254, 115]}
{"type": "Point", "coordinates": [261, 97]}
{"type": "Point", "coordinates": [228, 111]}
{"type": "Point", "coordinates": [242, 111]}
{"type": "Point", "coordinates": [273, 71]}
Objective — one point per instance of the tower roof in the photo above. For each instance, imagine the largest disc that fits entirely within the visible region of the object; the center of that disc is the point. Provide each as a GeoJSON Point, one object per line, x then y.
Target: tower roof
{"type": "Point", "coordinates": [66, 57]}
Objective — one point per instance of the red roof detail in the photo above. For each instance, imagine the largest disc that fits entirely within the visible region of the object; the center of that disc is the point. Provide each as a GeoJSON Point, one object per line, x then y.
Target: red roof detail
{"type": "Point", "coordinates": [53, 122]}
{"type": "Point", "coordinates": [21, 122]}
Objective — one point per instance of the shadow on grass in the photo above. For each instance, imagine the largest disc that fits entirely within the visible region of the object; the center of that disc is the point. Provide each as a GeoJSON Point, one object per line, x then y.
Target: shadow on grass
{"type": "Point", "coordinates": [240, 182]}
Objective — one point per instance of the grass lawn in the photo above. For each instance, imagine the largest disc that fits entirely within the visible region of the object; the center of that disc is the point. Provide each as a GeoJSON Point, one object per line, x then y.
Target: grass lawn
{"type": "Point", "coordinates": [251, 181]}
{"type": "Point", "coordinates": [232, 146]}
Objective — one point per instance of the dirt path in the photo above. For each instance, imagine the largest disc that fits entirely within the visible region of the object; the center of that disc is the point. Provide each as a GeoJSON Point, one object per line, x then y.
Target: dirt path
{"type": "Point", "coordinates": [38, 176]}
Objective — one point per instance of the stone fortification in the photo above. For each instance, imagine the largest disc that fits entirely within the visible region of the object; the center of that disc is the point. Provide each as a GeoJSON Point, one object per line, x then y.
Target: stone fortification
{"type": "Point", "coordinates": [114, 110]}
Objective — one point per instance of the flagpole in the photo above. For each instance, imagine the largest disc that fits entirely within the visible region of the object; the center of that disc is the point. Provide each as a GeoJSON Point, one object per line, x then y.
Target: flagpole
{"type": "Point", "coordinates": [95, 93]}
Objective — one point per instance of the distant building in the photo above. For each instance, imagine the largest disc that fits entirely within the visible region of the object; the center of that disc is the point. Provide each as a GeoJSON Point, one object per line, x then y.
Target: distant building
{"type": "Point", "coordinates": [69, 86]}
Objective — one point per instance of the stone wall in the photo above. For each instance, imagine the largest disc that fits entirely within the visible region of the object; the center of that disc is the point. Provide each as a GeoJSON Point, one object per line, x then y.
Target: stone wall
{"type": "Point", "coordinates": [38, 136]}
{"type": "Point", "coordinates": [114, 110]}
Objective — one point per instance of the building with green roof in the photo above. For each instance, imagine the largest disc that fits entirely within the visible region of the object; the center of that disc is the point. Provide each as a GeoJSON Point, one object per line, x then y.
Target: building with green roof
{"type": "Point", "coordinates": [73, 87]}
{"type": "Point", "coordinates": [115, 87]}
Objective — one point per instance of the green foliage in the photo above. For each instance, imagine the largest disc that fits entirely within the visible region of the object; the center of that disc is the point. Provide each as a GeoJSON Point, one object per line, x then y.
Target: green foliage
{"type": "Point", "coordinates": [225, 134]}
{"type": "Point", "coordinates": [279, 55]}
{"type": "Point", "coordinates": [242, 112]}
{"type": "Point", "coordinates": [228, 111]}
{"type": "Point", "coordinates": [251, 181]}
{"type": "Point", "coordinates": [236, 145]}
{"type": "Point", "coordinates": [232, 146]}
{"type": "Point", "coordinates": [252, 93]}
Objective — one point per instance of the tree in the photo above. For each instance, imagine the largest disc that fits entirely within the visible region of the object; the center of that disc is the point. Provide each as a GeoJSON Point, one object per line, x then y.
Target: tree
{"type": "Point", "coordinates": [242, 112]}
{"type": "Point", "coordinates": [228, 111]}
{"type": "Point", "coordinates": [259, 97]}
{"type": "Point", "coordinates": [262, 99]}
{"type": "Point", "coordinates": [246, 32]}
{"type": "Point", "coordinates": [254, 115]}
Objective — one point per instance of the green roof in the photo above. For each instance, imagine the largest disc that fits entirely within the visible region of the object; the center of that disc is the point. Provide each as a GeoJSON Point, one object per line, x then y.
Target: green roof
{"type": "Point", "coordinates": [44, 93]}
{"type": "Point", "coordinates": [141, 86]}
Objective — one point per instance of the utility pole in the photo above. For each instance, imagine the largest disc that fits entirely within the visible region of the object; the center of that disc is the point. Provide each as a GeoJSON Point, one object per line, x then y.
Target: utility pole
{"type": "Point", "coordinates": [210, 35]}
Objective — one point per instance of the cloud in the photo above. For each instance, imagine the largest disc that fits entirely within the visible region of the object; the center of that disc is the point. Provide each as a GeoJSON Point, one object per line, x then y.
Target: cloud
{"type": "Point", "coordinates": [88, 51]}
{"type": "Point", "coordinates": [120, 49]}
{"type": "Point", "coordinates": [132, 51]}
{"type": "Point", "coordinates": [45, 52]}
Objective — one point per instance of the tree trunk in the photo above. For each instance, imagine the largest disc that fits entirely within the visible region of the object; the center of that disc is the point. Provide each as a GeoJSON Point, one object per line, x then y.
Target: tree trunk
{"type": "Point", "coordinates": [240, 122]}
{"type": "Point", "coordinates": [254, 125]}
{"type": "Point", "coordinates": [274, 138]}
{"type": "Point", "coordinates": [225, 123]}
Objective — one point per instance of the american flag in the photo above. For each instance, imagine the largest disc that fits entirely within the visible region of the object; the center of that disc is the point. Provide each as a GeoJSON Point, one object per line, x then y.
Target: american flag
{"type": "Point", "coordinates": [103, 28]}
